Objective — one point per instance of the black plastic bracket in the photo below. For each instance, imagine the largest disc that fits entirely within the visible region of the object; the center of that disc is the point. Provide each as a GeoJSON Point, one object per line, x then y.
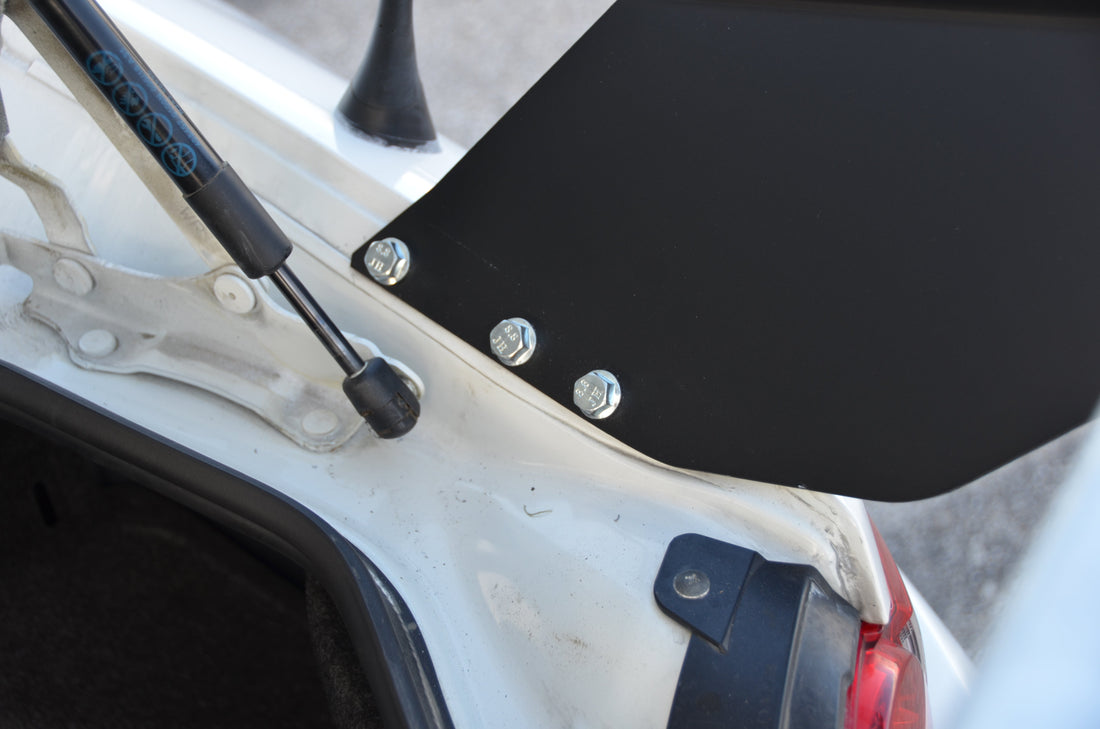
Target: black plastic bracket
{"type": "Point", "coordinates": [773, 646]}
{"type": "Point", "coordinates": [725, 567]}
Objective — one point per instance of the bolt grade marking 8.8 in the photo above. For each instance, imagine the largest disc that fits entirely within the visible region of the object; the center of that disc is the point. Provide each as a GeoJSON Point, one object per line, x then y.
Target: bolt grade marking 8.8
{"type": "Point", "coordinates": [597, 394]}
{"type": "Point", "coordinates": [387, 261]}
{"type": "Point", "coordinates": [513, 341]}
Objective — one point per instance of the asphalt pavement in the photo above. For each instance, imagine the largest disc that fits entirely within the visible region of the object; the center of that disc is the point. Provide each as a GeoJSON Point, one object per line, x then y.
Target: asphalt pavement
{"type": "Point", "coordinates": [477, 57]}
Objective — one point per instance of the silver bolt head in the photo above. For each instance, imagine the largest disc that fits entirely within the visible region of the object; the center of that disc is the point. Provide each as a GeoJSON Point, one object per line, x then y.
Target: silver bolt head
{"type": "Point", "coordinates": [691, 584]}
{"type": "Point", "coordinates": [513, 341]}
{"type": "Point", "coordinates": [387, 261]}
{"type": "Point", "coordinates": [597, 394]}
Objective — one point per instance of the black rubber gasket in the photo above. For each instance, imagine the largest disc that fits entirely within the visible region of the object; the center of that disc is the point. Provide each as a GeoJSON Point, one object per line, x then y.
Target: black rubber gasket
{"type": "Point", "coordinates": [387, 640]}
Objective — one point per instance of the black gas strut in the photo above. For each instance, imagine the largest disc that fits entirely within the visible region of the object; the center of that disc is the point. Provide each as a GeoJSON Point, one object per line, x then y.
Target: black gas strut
{"type": "Point", "coordinates": [218, 197]}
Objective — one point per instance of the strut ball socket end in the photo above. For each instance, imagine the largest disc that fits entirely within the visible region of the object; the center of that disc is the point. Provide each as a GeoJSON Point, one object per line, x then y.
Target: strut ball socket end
{"type": "Point", "coordinates": [383, 399]}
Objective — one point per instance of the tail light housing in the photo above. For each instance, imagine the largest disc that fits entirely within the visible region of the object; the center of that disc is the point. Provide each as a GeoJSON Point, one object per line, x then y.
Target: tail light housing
{"type": "Point", "coordinates": [888, 687]}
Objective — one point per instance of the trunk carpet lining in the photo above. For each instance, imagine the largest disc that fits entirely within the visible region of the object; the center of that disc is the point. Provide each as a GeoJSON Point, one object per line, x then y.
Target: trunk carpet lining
{"type": "Point", "coordinates": [120, 608]}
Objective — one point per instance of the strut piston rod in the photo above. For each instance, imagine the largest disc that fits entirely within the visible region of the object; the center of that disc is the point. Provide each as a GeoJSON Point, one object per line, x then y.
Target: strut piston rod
{"type": "Point", "coordinates": [218, 196]}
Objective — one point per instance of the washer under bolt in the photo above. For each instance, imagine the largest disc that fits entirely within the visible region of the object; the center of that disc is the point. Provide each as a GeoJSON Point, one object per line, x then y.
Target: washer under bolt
{"type": "Point", "coordinates": [513, 341]}
{"type": "Point", "coordinates": [597, 394]}
{"type": "Point", "coordinates": [234, 294]}
{"type": "Point", "coordinates": [387, 261]}
{"type": "Point", "coordinates": [97, 343]}
{"type": "Point", "coordinates": [691, 584]}
{"type": "Point", "coordinates": [73, 277]}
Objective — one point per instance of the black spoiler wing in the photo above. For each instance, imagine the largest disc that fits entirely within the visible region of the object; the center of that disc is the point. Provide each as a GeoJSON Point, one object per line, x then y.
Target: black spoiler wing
{"type": "Point", "coordinates": [849, 247]}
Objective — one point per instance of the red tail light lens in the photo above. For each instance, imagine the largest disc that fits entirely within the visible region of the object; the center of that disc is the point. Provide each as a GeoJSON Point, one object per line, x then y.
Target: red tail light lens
{"type": "Point", "coordinates": [888, 689]}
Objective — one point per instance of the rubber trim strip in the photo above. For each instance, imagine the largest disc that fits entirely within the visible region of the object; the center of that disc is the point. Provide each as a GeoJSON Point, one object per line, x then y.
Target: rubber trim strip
{"type": "Point", "coordinates": [387, 639]}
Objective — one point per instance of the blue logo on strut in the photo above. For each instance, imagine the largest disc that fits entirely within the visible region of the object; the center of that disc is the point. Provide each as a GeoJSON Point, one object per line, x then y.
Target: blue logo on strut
{"type": "Point", "coordinates": [154, 129]}
{"type": "Point", "coordinates": [179, 159]}
{"type": "Point", "coordinates": [129, 98]}
{"type": "Point", "coordinates": [105, 68]}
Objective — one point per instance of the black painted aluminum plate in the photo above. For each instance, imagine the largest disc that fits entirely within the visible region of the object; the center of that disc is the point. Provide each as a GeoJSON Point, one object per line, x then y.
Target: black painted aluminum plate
{"type": "Point", "coordinates": [846, 247]}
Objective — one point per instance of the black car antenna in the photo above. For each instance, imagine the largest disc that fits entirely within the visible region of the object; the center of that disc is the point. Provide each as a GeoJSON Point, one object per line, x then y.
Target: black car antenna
{"type": "Point", "coordinates": [385, 99]}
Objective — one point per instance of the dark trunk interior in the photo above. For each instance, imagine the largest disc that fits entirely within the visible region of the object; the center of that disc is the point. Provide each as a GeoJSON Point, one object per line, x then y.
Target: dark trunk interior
{"type": "Point", "coordinates": [120, 608]}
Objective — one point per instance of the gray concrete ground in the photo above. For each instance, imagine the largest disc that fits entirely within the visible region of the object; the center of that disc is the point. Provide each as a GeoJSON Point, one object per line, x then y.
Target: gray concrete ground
{"type": "Point", "coordinates": [477, 57]}
{"type": "Point", "coordinates": [961, 549]}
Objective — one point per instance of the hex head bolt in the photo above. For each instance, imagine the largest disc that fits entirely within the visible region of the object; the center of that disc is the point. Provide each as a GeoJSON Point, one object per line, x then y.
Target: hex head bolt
{"type": "Point", "coordinates": [387, 261]}
{"type": "Point", "coordinates": [513, 341]}
{"type": "Point", "coordinates": [597, 394]}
